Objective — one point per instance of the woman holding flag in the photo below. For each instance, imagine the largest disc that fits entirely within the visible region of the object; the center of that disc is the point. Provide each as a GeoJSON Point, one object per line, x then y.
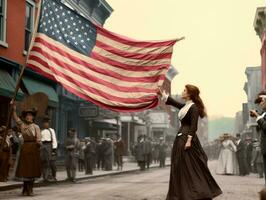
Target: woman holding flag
{"type": "Point", "coordinates": [190, 177]}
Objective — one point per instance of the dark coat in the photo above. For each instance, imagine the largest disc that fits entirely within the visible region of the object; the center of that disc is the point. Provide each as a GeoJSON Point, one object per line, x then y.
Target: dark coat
{"type": "Point", "coordinates": [119, 148]}
{"type": "Point", "coordinates": [140, 151]}
{"type": "Point", "coordinates": [89, 150]}
{"type": "Point", "coordinates": [262, 131]}
{"type": "Point", "coordinates": [241, 149]}
{"type": "Point", "coordinates": [190, 177]}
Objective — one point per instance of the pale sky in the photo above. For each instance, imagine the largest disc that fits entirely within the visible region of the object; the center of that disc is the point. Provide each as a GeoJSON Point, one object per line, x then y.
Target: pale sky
{"type": "Point", "coordinates": [220, 43]}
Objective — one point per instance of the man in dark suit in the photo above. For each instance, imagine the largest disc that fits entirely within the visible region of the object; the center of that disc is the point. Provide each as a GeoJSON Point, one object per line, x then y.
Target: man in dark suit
{"type": "Point", "coordinates": [261, 120]}
{"type": "Point", "coordinates": [119, 152]}
{"type": "Point", "coordinates": [241, 155]}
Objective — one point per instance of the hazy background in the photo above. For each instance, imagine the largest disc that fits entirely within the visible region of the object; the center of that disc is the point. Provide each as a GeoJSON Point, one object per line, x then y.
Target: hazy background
{"type": "Point", "coordinates": [220, 43]}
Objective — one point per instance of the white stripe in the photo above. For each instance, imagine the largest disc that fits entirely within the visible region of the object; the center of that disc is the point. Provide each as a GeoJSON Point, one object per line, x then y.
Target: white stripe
{"type": "Point", "coordinates": [107, 78]}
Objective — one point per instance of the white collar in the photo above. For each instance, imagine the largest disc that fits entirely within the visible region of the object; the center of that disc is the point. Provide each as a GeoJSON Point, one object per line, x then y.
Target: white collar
{"type": "Point", "coordinates": [183, 111]}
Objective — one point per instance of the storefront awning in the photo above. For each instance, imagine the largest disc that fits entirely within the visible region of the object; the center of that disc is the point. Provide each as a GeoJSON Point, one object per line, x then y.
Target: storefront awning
{"type": "Point", "coordinates": [8, 85]}
{"type": "Point", "coordinates": [34, 86]}
{"type": "Point", "coordinates": [105, 124]}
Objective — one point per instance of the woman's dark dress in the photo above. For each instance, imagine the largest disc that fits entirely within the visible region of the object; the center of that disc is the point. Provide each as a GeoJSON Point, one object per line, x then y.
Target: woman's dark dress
{"type": "Point", "coordinates": [190, 178]}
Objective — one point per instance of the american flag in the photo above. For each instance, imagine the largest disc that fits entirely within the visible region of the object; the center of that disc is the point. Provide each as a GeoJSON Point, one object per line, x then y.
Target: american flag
{"type": "Point", "coordinates": [100, 66]}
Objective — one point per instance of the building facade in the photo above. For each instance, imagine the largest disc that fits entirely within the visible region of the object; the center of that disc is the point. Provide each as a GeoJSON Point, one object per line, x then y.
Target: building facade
{"type": "Point", "coordinates": [17, 20]}
{"type": "Point", "coordinates": [252, 87]}
{"type": "Point", "coordinates": [260, 28]}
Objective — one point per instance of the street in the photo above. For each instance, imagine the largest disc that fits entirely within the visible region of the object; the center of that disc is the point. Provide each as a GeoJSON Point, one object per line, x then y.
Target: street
{"type": "Point", "coordinates": [149, 185]}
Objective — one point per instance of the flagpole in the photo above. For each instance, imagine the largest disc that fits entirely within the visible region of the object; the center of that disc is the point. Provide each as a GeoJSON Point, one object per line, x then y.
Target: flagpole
{"type": "Point", "coordinates": [23, 67]}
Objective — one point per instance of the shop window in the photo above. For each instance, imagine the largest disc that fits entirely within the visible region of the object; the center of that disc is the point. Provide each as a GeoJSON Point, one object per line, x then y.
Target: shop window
{"type": "Point", "coordinates": [29, 23]}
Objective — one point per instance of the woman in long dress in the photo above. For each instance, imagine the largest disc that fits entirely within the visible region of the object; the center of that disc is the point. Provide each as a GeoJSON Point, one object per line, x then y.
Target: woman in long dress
{"type": "Point", "coordinates": [190, 178]}
{"type": "Point", "coordinates": [227, 160]}
{"type": "Point", "coordinates": [29, 162]}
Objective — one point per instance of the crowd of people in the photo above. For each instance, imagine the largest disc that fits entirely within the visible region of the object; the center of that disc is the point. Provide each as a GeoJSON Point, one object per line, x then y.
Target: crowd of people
{"type": "Point", "coordinates": [239, 156]}
{"type": "Point", "coordinates": [30, 152]}
{"type": "Point", "coordinates": [147, 151]}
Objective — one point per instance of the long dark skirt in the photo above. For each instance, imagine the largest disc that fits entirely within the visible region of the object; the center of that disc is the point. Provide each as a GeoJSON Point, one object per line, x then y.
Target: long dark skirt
{"type": "Point", "coordinates": [29, 164]}
{"type": "Point", "coordinates": [190, 178]}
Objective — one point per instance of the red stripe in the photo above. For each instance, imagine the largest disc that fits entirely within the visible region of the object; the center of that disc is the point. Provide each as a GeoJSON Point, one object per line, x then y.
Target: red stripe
{"type": "Point", "coordinates": [139, 56]}
{"type": "Point", "coordinates": [151, 79]}
{"type": "Point", "coordinates": [113, 108]}
{"type": "Point", "coordinates": [132, 42]}
{"type": "Point", "coordinates": [117, 64]}
{"type": "Point", "coordinates": [93, 90]}
{"type": "Point", "coordinates": [87, 98]}
{"type": "Point", "coordinates": [102, 59]}
{"type": "Point", "coordinates": [90, 77]}
{"type": "Point", "coordinates": [40, 71]}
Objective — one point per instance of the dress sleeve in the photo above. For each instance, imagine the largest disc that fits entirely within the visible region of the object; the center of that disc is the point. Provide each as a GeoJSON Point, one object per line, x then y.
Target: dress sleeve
{"type": "Point", "coordinates": [233, 146]}
{"type": "Point", "coordinates": [38, 134]}
{"type": "Point", "coordinates": [194, 116]}
{"type": "Point", "coordinates": [173, 102]}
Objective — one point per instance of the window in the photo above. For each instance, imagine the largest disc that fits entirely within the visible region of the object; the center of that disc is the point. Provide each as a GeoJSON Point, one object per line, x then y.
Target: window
{"type": "Point", "coordinates": [3, 21]}
{"type": "Point", "coordinates": [29, 23]}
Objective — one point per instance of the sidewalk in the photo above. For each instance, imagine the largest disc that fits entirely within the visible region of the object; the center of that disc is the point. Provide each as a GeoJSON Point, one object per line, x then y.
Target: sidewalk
{"type": "Point", "coordinates": [128, 167]}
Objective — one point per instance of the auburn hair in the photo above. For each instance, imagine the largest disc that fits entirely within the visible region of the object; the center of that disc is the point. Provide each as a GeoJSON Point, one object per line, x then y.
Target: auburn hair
{"type": "Point", "coordinates": [194, 94]}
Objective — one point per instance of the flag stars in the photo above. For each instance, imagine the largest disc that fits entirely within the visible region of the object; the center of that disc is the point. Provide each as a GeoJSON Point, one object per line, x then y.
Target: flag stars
{"type": "Point", "coordinates": [84, 47]}
{"type": "Point", "coordinates": [63, 14]}
{"type": "Point", "coordinates": [66, 20]}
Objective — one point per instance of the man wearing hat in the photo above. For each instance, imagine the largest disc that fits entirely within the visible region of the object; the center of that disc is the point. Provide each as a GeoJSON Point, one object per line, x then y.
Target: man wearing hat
{"type": "Point", "coordinates": [29, 162]}
{"type": "Point", "coordinates": [48, 151]}
{"type": "Point", "coordinates": [241, 155]}
{"type": "Point", "coordinates": [72, 146]}
{"type": "Point", "coordinates": [261, 120]}
{"type": "Point", "coordinates": [89, 152]}
{"type": "Point", "coordinates": [119, 151]}
{"type": "Point", "coordinates": [162, 152]}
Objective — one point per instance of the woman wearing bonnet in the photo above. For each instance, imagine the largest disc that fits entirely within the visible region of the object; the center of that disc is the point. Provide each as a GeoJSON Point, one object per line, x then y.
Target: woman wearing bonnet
{"type": "Point", "coordinates": [190, 177]}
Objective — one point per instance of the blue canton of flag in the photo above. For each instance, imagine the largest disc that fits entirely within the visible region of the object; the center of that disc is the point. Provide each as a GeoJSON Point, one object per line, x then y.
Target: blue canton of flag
{"type": "Point", "coordinates": [64, 25]}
